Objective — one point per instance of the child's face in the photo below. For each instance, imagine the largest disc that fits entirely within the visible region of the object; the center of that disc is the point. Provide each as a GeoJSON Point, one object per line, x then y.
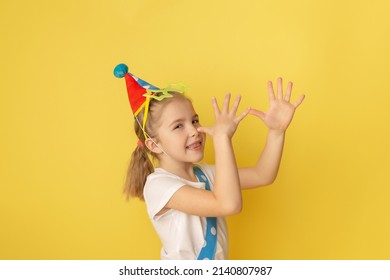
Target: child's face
{"type": "Point", "coordinates": [178, 135]}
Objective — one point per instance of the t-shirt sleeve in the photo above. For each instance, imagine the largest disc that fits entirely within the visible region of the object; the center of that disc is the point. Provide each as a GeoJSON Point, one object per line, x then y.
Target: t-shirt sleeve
{"type": "Point", "coordinates": [158, 191]}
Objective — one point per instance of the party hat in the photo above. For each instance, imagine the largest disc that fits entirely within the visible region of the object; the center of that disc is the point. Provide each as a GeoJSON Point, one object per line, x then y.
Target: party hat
{"type": "Point", "coordinates": [137, 88]}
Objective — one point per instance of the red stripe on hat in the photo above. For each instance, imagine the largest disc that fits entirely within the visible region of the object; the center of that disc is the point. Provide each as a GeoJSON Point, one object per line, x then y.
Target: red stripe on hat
{"type": "Point", "coordinates": [135, 93]}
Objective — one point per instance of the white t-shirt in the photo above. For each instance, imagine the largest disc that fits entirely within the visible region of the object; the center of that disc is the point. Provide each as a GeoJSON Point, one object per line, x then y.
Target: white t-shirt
{"type": "Point", "coordinates": [182, 235]}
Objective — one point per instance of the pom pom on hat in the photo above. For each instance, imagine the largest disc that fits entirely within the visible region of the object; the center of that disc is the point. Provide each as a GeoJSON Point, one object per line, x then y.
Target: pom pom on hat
{"type": "Point", "coordinates": [121, 70]}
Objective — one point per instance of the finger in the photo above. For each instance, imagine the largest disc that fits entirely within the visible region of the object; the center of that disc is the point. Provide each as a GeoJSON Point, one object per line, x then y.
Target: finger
{"type": "Point", "coordinates": [226, 102]}
{"type": "Point", "coordinates": [288, 91]}
{"type": "Point", "coordinates": [257, 113]}
{"type": "Point", "coordinates": [243, 115]}
{"type": "Point", "coordinates": [271, 94]}
{"type": "Point", "coordinates": [236, 103]}
{"type": "Point", "coordinates": [280, 88]}
{"type": "Point", "coordinates": [214, 103]}
{"type": "Point", "coordinates": [299, 101]}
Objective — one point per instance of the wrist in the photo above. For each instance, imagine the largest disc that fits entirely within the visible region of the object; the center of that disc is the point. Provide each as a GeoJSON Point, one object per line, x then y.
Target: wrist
{"type": "Point", "coordinates": [221, 138]}
{"type": "Point", "coordinates": [276, 133]}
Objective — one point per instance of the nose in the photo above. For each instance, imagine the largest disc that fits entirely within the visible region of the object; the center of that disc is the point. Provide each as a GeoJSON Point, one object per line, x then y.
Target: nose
{"type": "Point", "coordinates": [194, 130]}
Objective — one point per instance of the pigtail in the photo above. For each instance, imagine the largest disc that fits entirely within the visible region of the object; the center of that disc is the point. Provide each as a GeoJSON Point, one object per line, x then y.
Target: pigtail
{"type": "Point", "coordinates": [139, 168]}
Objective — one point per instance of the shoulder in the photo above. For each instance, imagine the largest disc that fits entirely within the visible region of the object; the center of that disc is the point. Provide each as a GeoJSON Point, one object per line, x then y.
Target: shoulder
{"type": "Point", "coordinates": [161, 179]}
{"type": "Point", "coordinates": [160, 186]}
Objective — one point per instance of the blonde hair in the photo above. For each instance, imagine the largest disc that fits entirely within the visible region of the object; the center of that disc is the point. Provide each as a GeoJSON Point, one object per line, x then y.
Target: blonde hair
{"type": "Point", "coordinates": [141, 162]}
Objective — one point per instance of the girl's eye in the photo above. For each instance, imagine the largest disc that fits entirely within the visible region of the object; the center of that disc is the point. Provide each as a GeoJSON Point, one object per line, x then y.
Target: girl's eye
{"type": "Point", "coordinates": [195, 121]}
{"type": "Point", "coordinates": [178, 126]}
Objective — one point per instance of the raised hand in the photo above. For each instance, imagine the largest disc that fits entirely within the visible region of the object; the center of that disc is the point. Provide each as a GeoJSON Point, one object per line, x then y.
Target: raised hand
{"type": "Point", "coordinates": [280, 112]}
{"type": "Point", "coordinates": [226, 121]}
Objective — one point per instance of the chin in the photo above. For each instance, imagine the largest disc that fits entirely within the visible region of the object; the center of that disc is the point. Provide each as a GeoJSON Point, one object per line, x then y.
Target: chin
{"type": "Point", "coordinates": [200, 158]}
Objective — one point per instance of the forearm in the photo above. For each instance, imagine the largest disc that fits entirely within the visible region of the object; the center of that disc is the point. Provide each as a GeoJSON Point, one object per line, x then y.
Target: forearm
{"type": "Point", "coordinates": [267, 166]}
{"type": "Point", "coordinates": [227, 184]}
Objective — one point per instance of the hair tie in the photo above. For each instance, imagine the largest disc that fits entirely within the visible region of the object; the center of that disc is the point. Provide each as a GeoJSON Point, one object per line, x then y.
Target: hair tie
{"type": "Point", "coordinates": [140, 144]}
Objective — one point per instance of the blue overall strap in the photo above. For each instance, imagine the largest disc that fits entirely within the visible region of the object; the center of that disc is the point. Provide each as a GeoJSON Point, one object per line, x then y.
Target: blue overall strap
{"type": "Point", "coordinates": [210, 245]}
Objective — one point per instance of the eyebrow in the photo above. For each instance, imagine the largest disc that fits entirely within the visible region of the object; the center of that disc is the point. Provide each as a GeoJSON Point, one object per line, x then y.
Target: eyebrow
{"type": "Point", "coordinates": [181, 120]}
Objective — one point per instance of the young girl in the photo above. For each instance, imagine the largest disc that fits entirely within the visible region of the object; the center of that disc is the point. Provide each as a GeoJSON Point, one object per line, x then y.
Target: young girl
{"type": "Point", "coordinates": [188, 217]}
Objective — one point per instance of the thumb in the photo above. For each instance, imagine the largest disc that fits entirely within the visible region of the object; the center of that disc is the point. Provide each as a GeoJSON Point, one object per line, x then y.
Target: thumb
{"type": "Point", "coordinates": [203, 129]}
{"type": "Point", "coordinates": [257, 113]}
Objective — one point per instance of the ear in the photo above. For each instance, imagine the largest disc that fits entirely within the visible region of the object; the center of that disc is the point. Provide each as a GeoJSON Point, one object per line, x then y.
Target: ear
{"type": "Point", "coordinates": [153, 146]}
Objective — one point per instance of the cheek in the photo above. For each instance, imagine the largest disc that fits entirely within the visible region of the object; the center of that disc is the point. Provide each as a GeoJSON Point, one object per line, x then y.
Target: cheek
{"type": "Point", "coordinates": [169, 139]}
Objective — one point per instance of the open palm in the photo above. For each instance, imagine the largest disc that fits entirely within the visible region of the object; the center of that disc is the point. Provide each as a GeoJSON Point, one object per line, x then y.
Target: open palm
{"type": "Point", "coordinates": [280, 111]}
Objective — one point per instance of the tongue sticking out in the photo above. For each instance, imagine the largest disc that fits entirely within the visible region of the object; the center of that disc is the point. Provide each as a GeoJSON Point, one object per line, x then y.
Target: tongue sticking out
{"type": "Point", "coordinates": [194, 146]}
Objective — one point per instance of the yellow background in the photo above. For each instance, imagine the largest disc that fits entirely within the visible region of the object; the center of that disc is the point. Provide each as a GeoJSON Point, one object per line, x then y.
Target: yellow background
{"type": "Point", "coordinates": [66, 127]}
